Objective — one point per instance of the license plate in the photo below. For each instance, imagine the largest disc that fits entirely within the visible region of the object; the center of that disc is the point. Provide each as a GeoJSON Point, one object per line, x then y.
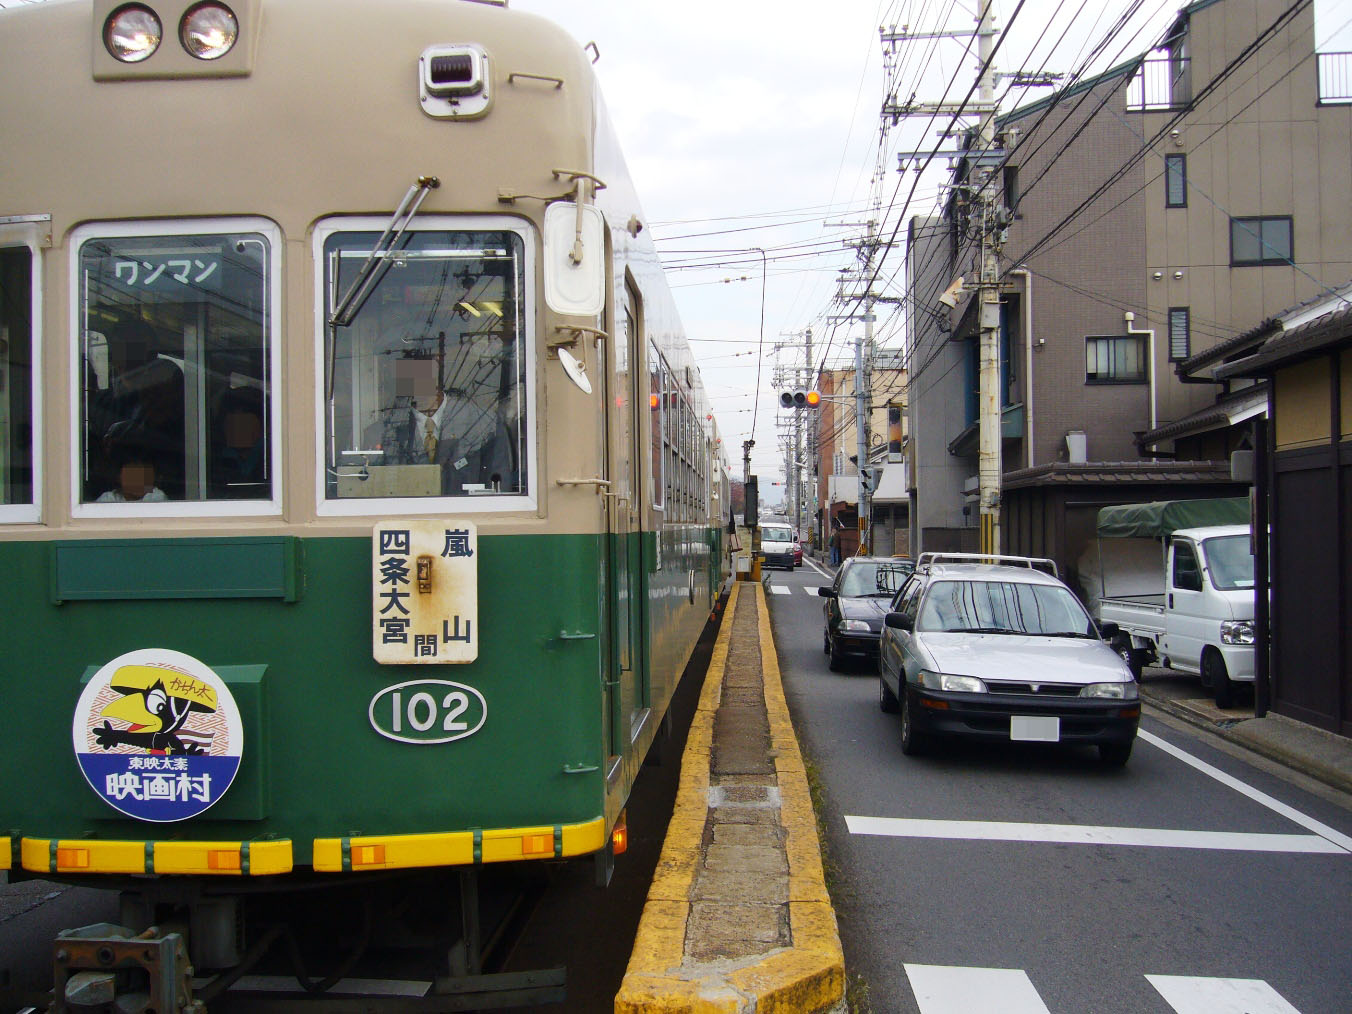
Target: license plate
{"type": "Point", "coordinates": [1035, 729]}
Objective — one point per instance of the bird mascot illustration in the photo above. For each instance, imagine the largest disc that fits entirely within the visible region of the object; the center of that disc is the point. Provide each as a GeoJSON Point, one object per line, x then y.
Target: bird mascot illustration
{"type": "Point", "coordinates": [156, 703]}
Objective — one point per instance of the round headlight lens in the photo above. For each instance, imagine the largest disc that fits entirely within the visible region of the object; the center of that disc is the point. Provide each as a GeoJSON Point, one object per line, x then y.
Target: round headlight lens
{"type": "Point", "coordinates": [208, 31]}
{"type": "Point", "coordinates": [132, 33]}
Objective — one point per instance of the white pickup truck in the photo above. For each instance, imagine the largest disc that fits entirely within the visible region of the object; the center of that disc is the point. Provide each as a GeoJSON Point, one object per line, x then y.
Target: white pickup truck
{"type": "Point", "coordinates": [1180, 592]}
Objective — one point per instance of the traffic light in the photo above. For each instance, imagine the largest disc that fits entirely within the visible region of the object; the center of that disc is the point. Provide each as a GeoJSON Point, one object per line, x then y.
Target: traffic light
{"type": "Point", "coordinates": [800, 399]}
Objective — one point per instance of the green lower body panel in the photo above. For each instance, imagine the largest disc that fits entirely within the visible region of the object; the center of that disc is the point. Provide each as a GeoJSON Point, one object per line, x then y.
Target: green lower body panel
{"type": "Point", "coordinates": [336, 762]}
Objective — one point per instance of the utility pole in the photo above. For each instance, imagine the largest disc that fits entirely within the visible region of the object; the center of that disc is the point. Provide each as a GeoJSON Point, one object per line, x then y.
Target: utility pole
{"type": "Point", "coordinates": [992, 221]}
{"type": "Point", "coordinates": [861, 403]}
{"type": "Point", "coordinates": [808, 383]}
{"type": "Point", "coordinates": [988, 458]}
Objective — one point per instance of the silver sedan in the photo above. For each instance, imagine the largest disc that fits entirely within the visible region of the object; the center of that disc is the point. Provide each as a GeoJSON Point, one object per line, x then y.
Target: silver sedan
{"type": "Point", "coordinates": [1000, 652]}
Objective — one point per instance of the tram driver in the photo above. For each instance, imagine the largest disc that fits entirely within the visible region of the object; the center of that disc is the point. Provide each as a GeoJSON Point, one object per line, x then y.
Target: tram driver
{"type": "Point", "coordinates": [429, 424]}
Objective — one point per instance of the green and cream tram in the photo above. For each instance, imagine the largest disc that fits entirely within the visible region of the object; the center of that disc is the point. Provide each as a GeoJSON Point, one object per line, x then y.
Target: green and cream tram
{"type": "Point", "coordinates": [359, 496]}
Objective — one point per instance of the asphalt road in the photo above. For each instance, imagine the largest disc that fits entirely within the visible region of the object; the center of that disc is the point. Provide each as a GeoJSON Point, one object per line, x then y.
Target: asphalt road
{"type": "Point", "coordinates": [1014, 904]}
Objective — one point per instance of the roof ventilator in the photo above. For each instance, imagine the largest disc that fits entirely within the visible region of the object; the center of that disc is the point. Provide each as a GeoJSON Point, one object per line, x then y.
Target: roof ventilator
{"type": "Point", "coordinates": [454, 82]}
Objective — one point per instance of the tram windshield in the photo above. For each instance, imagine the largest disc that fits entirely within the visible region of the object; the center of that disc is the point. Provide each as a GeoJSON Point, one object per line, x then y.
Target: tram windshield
{"type": "Point", "coordinates": [175, 368]}
{"type": "Point", "coordinates": [426, 384]}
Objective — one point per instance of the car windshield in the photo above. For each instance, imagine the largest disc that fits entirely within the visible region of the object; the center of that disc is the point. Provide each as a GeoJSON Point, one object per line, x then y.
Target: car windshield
{"type": "Point", "coordinates": [871, 578]}
{"type": "Point", "coordinates": [1230, 562]}
{"type": "Point", "coordinates": [1003, 607]}
{"type": "Point", "coordinates": [776, 535]}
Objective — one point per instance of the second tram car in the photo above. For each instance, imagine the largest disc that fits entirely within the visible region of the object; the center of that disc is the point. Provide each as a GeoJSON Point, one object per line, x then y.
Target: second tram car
{"type": "Point", "coordinates": [359, 496]}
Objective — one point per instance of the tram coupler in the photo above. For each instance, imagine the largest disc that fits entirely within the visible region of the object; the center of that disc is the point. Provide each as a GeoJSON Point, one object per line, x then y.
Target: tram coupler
{"type": "Point", "coordinates": [109, 969]}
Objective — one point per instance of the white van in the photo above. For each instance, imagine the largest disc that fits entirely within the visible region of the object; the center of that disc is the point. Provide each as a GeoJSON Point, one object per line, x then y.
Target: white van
{"type": "Point", "coordinates": [779, 545]}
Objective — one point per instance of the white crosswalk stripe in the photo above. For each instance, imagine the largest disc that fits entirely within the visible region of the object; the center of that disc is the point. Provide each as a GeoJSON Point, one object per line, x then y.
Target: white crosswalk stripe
{"type": "Point", "coordinates": [953, 989]}
{"type": "Point", "coordinates": [779, 589]}
{"type": "Point", "coordinates": [1194, 995]}
{"type": "Point", "coordinates": [944, 989]}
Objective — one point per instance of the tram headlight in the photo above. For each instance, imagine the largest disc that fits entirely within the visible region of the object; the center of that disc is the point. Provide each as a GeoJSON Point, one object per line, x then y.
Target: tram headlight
{"type": "Point", "coordinates": [132, 33]}
{"type": "Point", "coordinates": [208, 30]}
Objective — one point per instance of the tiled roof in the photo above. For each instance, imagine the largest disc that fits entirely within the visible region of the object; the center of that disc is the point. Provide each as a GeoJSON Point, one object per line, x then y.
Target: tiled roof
{"type": "Point", "coordinates": [1103, 473]}
{"type": "Point", "coordinates": [1332, 330]}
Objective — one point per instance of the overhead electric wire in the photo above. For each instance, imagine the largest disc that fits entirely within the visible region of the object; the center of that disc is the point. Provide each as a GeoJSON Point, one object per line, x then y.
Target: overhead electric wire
{"type": "Point", "coordinates": [933, 117]}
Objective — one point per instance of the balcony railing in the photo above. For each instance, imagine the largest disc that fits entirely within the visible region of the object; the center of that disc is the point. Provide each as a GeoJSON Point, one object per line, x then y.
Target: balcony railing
{"type": "Point", "coordinates": [1335, 78]}
{"type": "Point", "coordinates": [1161, 82]}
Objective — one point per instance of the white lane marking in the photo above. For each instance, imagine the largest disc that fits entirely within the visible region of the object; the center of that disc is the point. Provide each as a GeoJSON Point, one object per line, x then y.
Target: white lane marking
{"type": "Point", "coordinates": [818, 568]}
{"type": "Point", "coordinates": [1344, 842]}
{"type": "Point", "coordinates": [941, 989]}
{"type": "Point", "coordinates": [1079, 834]}
{"type": "Point", "coordinates": [780, 589]}
{"type": "Point", "coordinates": [1196, 995]}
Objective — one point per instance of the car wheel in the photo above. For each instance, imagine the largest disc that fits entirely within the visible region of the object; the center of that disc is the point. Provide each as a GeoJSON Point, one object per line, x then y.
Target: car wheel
{"type": "Point", "coordinates": [826, 642]}
{"type": "Point", "coordinates": [913, 743]}
{"type": "Point", "coordinates": [1131, 656]}
{"type": "Point", "coordinates": [836, 657]}
{"type": "Point", "coordinates": [1114, 755]}
{"type": "Point", "coordinates": [887, 701]}
{"type": "Point", "coordinates": [1214, 674]}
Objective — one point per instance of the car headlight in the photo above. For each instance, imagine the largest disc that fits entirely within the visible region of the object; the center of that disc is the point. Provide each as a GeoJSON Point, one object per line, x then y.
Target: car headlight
{"type": "Point", "coordinates": [1237, 632]}
{"type": "Point", "coordinates": [1114, 691]}
{"type": "Point", "coordinates": [953, 684]}
{"type": "Point", "coordinates": [854, 626]}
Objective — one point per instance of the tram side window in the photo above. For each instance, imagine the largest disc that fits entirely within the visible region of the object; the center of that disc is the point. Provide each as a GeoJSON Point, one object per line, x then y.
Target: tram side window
{"type": "Point", "coordinates": [427, 381]}
{"type": "Point", "coordinates": [16, 375]}
{"type": "Point", "coordinates": [656, 406]}
{"type": "Point", "coordinates": [176, 384]}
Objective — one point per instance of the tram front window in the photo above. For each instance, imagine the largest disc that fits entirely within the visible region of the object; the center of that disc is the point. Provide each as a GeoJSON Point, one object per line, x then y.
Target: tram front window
{"type": "Point", "coordinates": [427, 379]}
{"type": "Point", "coordinates": [176, 368]}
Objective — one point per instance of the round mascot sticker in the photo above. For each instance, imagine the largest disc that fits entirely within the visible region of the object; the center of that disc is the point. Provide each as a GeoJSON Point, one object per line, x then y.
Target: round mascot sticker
{"type": "Point", "coordinates": [158, 735]}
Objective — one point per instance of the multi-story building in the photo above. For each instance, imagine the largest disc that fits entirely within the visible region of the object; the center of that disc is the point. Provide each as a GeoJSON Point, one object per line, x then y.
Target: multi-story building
{"type": "Point", "coordinates": [837, 443]}
{"type": "Point", "coordinates": [1155, 212]}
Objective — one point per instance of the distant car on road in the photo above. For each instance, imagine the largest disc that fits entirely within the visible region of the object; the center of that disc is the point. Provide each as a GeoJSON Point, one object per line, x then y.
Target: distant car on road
{"type": "Point", "coordinates": [858, 598]}
{"type": "Point", "coordinates": [797, 552]}
{"type": "Point", "coordinates": [1002, 651]}
{"type": "Point", "coordinates": [778, 543]}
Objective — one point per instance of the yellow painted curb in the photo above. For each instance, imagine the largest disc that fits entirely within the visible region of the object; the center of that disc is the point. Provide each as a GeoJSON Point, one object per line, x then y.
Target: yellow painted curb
{"type": "Point", "coordinates": [807, 977]}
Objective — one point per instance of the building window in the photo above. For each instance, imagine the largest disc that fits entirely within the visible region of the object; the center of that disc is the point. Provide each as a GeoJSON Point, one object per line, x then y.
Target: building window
{"type": "Point", "coordinates": [1180, 334]}
{"type": "Point", "coordinates": [1175, 181]}
{"type": "Point", "coordinates": [1115, 359]}
{"type": "Point", "coordinates": [1012, 190]}
{"type": "Point", "coordinates": [1261, 241]}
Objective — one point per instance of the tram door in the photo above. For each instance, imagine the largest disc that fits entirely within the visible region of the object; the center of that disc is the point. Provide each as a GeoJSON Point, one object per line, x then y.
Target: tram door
{"type": "Point", "coordinates": [628, 699]}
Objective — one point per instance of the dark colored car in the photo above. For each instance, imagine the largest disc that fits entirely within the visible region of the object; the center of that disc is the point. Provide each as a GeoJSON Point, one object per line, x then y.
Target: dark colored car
{"type": "Point", "coordinates": [1002, 652]}
{"type": "Point", "coordinates": [858, 599]}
